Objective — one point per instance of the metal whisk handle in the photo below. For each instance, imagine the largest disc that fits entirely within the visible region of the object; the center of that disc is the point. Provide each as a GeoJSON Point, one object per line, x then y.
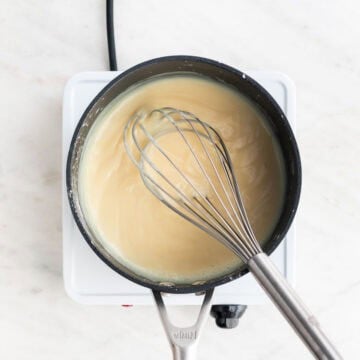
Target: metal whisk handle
{"type": "Point", "coordinates": [292, 308]}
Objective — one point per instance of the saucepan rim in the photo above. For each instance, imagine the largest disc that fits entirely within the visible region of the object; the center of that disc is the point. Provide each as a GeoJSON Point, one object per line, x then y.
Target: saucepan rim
{"type": "Point", "coordinates": [80, 220]}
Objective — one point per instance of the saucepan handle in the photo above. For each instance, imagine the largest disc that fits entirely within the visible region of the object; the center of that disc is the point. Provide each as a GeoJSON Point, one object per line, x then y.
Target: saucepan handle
{"type": "Point", "coordinates": [291, 306]}
{"type": "Point", "coordinates": [183, 340]}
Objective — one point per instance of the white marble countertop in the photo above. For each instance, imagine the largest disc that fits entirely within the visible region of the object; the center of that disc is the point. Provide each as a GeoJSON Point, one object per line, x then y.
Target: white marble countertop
{"type": "Point", "coordinates": [43, 43]}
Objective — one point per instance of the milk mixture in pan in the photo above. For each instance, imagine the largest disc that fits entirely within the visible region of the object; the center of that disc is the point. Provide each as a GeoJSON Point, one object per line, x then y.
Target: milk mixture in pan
{"type": "Point", "coordinates": [135, 226]}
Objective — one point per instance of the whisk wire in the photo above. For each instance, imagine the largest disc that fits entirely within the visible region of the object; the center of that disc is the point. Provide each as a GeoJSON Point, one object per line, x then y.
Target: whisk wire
{"type": "Point", "coordinates": [238, 214]}
{"type": "Point", "coordinates": [204, 172]}
{"type": "Point", "coordinates": [225, 227]}
{"type": "Point", "coordinates": [217, 175]}
{"type": "Point", "coordinates": [226, 220]}
{"type": "Point", "coordinates": [241, 216]}
{"type": "Point", "coordinates": [210, 220]}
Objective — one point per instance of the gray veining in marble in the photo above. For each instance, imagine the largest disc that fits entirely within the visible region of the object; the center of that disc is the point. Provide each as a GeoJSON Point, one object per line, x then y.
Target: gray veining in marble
{"type": "Point", "coordinates": [43, 43]}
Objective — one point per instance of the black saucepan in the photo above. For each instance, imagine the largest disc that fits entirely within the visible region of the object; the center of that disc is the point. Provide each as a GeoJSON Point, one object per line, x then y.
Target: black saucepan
{"type": "Point", "coordinates": [219, 72]}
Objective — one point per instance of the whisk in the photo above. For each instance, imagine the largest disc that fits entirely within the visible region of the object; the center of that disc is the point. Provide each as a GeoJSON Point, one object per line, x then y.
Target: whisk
{"type": "Point", "coordinates": [184, 162]}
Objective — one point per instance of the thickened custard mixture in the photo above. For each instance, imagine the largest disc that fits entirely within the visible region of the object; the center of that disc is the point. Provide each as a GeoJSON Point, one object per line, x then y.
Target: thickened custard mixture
{"type": "Point", "coordinates": [133, 224]}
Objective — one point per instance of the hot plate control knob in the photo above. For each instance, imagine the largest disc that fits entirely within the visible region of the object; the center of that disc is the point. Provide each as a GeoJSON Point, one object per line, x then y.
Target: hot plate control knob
{"type": "Point", "coordinates": [227, 316]}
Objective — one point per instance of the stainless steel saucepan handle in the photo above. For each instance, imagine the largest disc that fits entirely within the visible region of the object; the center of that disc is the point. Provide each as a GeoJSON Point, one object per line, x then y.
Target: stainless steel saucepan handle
{"type": "Point", "coordinates": [184, 340]}
{"type": "Point", "coordinates": [291, 306]}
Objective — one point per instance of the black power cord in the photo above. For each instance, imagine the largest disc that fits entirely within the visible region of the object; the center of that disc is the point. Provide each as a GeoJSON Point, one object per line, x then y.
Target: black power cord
{"type": "Point", "coordinates": [110, 34]}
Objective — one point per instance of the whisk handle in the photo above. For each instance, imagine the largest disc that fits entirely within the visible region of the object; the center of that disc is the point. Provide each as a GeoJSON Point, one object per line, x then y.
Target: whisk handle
{"type": "Point", "coordinates": [292, 307]}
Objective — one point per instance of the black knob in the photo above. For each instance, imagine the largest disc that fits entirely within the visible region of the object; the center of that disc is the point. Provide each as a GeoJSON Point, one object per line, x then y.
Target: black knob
{"type": "Point", "coordinates": [227, 316]}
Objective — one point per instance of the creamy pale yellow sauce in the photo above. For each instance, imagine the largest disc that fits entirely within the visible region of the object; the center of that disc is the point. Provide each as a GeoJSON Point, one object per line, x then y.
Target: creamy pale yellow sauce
{"type": "Point", "coordinates": [135, 226]}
